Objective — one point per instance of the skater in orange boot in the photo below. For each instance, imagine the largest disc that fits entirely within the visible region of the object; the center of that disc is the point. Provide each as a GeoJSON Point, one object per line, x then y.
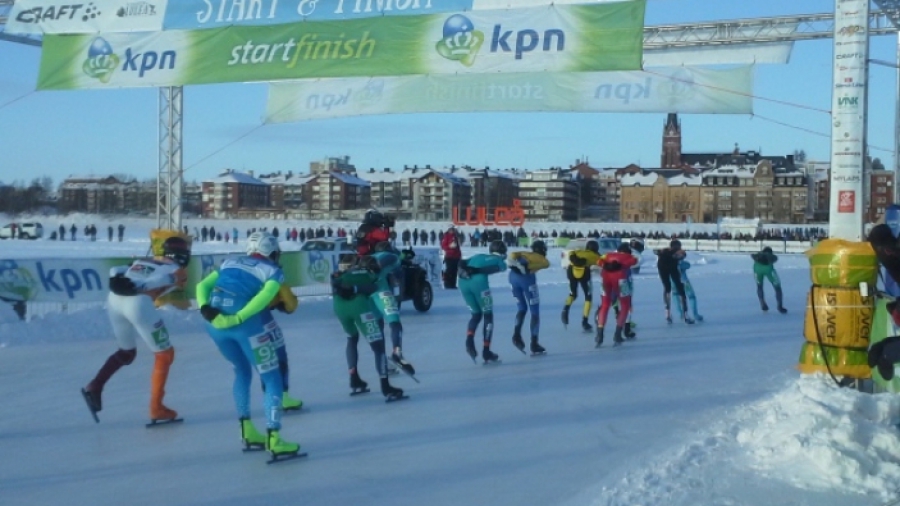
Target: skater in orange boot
{"type": "Point", "coordinates": [132, 312]}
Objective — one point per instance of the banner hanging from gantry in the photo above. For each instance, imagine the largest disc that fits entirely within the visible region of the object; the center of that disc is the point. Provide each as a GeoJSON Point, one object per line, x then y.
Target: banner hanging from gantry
{"type": "Point", "coordinates": [41, 17]}
{"type": "Point", "coordinates": [682, 89]}
{"type": "Point", "coordinates": [564, 38]}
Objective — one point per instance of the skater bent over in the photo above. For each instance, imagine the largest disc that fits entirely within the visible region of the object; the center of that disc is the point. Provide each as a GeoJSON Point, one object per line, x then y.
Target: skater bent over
{"type": "Point", "coordinates": [579, 274]}
{"type": "Point", "coordinates": [231, 301]}
{"type": "Point", "coordinates": [683, 267]}
{"type": "Point", "coordinates": [522, 268]}
{"type": "Point", "coordinates": [351, 289]}
{"type": "Point", "coordinates": [764, 268]}
{"type": "Point", "coordinates": [132, 312]}
{"type": "Point", "coordinates": [387, 262]}
{"type": "Point", "coordinates": [667, 264]}
{"type": "Point", "coordinates": [615, 272]}
{"type": "Point", "coordinates": [473, 284]}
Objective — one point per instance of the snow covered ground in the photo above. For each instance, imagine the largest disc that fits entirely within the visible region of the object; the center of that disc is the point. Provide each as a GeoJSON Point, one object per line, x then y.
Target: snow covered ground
{"type": "Point", "coordinates": [709, 414]}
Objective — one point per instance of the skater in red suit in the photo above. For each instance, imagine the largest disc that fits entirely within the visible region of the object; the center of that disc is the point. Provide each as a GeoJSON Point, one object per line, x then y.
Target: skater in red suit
{"type": "Point", "coordinates": [615, 268]}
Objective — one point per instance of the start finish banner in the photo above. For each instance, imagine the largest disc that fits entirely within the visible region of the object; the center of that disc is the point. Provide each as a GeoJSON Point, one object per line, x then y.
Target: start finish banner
{"type": "Point", "coordinates": [680, 89]}
{"type": "Point", "coordinates": [564, 38]}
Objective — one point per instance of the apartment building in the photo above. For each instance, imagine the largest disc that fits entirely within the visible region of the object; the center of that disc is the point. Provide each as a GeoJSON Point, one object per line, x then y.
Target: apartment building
{"type": "Point", "coordinates": [550, 195]}
{"type": "Point", "coordinates": [234, 193]}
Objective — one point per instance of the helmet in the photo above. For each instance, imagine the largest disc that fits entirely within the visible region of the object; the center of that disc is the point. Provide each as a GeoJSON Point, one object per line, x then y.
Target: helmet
{"type": "Point", "coordinates": [675, 245]}
{"type": "Point", "coordinates": [498, 247]}
{"type": "Point", "coordinates": [592, 245]}
{"type": "Point", "coordinates": [624, 248]}
{"type": "Point", "coordinates": [383, 246]}
{"type": "Point", "coordinates": [373, 216]}
{"type": "Point", "coordinates": [539, 247]}
{"type": "Point", "coordinates": [767, 249]}
{"type": "Point", "coordinates": [637, 244]}
{"type": "Point", "coordinates": [177, 249]}
{"type": "Point", "coordinates": [265, 244]}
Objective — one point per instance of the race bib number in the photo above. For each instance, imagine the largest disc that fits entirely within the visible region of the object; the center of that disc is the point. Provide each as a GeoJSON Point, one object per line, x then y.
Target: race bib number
{"type": "Point", "coordinates": [487, 301]}
{"type": "Point", "coordinates": [264, 354]}
{"type": "Point", "coordinates": [370, 329]}
{"type": "Point", "coordinates": [274, 331]}
{"type": "Point", "coordinates": [625, 288]}
{"type": "Point", "coordinates": [388, 303]}
{"type": "Point", "coordinates": [532, 296]}
{"type": "Point", "coordinates": [161, 337]}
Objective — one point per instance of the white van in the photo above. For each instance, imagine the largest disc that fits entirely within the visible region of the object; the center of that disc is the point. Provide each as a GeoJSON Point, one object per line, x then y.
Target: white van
{"type": "Point", "coordinates": [23, 231]}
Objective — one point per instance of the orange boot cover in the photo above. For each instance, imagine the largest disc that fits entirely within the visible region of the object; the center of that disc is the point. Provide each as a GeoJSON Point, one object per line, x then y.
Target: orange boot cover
{"type": "Point", "coordinates": [158, 411]}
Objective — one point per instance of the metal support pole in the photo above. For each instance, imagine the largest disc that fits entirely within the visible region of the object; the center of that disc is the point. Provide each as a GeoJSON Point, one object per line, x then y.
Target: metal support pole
{"type": "Point", "coordinates": [897, 128]}
{"type": "Point", "coordinates": [170, 180]}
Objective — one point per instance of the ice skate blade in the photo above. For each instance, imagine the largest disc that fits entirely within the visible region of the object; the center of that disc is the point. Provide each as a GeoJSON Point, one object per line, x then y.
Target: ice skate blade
{"type": "Point", "coordinates": [159, 423]}
{"type": "Point", "coordinates": [276, 459]}
{"type": "Point", "coordinates": [492, 362]}
{"type": "Point", "coordinates": [359, 392]}
{"type": "Point", "coordinates": [395, 398]}
{"type": "Point", "coordinates": [538, 354]}
{"type": "Point", "coordinates": [87, 401]}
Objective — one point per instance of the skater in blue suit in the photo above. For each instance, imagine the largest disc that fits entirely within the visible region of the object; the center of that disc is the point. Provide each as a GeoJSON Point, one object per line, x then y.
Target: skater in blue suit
{"type": "Point", "coordinates": [522, 268]}
{"type": "Point", "coordinates": [473, 284]}
{"type": "Point", "coordinates": [232, 300]}
{"type": "Point", "coordinates": [683, 266]}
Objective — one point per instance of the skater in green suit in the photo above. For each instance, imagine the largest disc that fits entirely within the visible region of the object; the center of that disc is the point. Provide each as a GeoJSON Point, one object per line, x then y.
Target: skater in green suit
{"type": "Point", "coordinates": [764, 268]}
{"type": "Point", "coordinates": [351, 289]}
{"type": "Point", "coordinates": [388, 265]}
{"type": "Point", "coordinates": [473, 284]}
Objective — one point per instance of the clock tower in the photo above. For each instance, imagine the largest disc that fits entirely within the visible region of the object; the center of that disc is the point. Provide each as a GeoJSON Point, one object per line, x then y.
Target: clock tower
{"type": "Point", "coordinates": [671, 143]}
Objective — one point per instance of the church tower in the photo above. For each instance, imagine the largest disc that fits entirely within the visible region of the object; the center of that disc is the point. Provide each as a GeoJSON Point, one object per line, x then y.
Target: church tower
{"type": "Point", "coordinates": [671, 142]}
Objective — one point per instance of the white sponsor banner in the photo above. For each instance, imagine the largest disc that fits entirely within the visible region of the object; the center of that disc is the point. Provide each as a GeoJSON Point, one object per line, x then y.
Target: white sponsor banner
{"type": "Point", "coordinates": [848, 129]}
{"type": "Point", "coordinates": [37, 17]}
{"type": "Point", "coordinates": [681, 89]}
{"type": "Point", "coordinates": [743, 54]}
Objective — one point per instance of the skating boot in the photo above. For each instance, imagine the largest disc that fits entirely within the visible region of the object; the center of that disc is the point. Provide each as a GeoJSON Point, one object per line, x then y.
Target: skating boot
{"type": "Point", "coordinates": [585, 326]}
{"type": "Point", "coordinates": [357, 385]}
{"type": "Point", "coordinates": [489, 356]}
{"type": "Point", "coordinates": [628, 331]}
{"type": "Point", "coordinates": [162, 414]}
{"type": "Point", "coordinates": [617, 337]}
{"type": "Point", "coordinates": [279, 448]}
{"type": "Point", "coordinates": [565, 316]}
{"type": "Point", "coordinates": [470, 348]}
{"type": "Point", "coordinates": [288, 403]}
{"type": "Point", "coordinates": [782, 310]}
{"type": "Point", "coordinates": [688, 320]}
{"type": "Point", "coordinates": [397, 358]}
{"type": "Point", "coordinates": [763, 305]}
{"type": "Point", "coordinates": [92, 399]}
{"type": "Point", "coordinates": [598, 338]}
{"type": "Point", "coordinates": [518, 342]}
{"type": "Point", "coordinates": [390, 392]}
{"type": "Point", "coordinates": [253, 439]}
{"type": "Point", "coordinates": [537, 349]}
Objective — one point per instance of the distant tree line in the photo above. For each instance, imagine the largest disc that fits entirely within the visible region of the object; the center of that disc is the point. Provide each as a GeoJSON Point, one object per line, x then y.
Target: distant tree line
{"type": "Point", "coordinates": [19, 197]}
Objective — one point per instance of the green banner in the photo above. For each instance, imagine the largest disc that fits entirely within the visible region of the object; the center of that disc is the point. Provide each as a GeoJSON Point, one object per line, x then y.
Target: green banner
{"type": "Point", "coordinates": [562, 38]}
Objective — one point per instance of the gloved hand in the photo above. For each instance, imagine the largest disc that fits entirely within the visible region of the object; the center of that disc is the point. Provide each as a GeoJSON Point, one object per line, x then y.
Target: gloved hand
{"type": "Point", "coordinates": [209, 313]}
{"type": "Point", "coordinates": [576, 260]}
{"type": "Point", "coordinates": [120, 285]}
{"type": "Point", "coordinates": [226, 321]}
{"type": "Point", "coordinates": [280, 306]}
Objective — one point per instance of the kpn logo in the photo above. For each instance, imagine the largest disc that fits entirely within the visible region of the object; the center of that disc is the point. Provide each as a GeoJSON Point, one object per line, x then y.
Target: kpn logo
{"type": "Point", "coordinates": [101, 61]}
{"type": "Point", "coordinates": [461, 41]}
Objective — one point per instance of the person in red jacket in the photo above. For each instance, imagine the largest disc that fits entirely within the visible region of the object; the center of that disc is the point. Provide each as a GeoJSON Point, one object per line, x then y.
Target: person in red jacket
{"type": "Point", "coordinates": [452, 256]}
{"type": "Point", "coordinates": [375, 228]}
{"type": "Point", "coordinates": [614, 272]}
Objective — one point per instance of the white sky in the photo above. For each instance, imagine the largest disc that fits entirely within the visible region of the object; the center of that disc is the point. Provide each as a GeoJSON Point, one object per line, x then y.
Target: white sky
{"type": "Point", "coordinates": [710, 414]}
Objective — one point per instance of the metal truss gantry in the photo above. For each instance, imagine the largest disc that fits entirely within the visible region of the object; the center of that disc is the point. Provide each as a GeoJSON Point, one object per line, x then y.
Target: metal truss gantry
{"type": "Point", "coordinates": [656, 38]}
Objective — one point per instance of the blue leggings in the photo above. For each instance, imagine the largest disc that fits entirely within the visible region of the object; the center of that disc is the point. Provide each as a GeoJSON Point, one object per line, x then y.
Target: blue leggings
{"type": "Point", "coordinates": [247, 346]}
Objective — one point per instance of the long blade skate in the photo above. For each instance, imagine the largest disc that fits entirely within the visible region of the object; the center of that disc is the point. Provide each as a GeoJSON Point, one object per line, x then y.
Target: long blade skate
{"type": "Point", "coordinates": [90, 404]}
{"type": "Point", "coordinates": [395, 398]}
{"type": "Point", "coordinates": [359, 391]}
{"type": "Point", "coordinates": [284, 457]}
{"type": "Point", "coordinates": [159, 423]}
